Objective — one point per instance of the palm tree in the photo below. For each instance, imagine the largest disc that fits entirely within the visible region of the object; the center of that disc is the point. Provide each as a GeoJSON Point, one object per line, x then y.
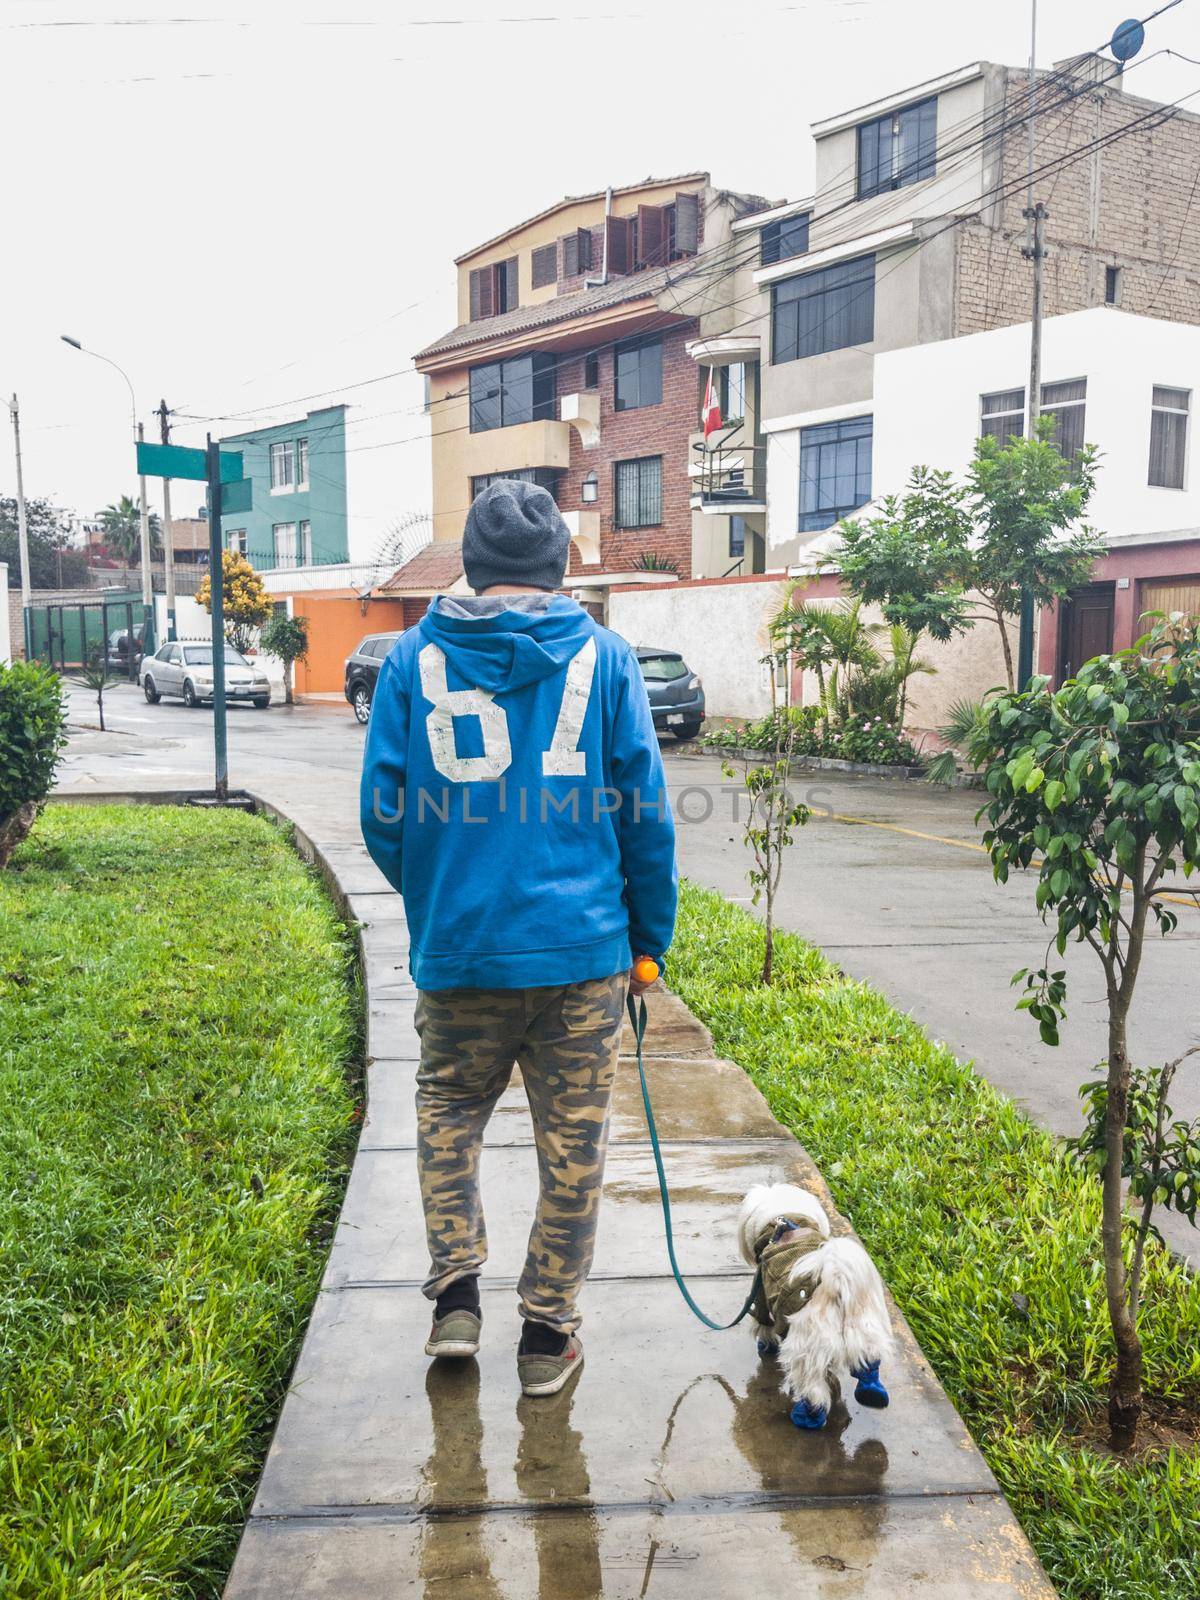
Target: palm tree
{"type": "Point", "coordinates": [122, 524]}
{"type": "Point", "coordinates": [904, 664]}
{"type": "Point", "coordinates": [831, 641]}
{"type": "Point", "coordinates": [964, 719]}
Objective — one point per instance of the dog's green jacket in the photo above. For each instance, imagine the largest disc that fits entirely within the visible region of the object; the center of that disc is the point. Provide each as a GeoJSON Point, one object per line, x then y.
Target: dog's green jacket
{"type": "Point", "coordinates": [777, 1299]}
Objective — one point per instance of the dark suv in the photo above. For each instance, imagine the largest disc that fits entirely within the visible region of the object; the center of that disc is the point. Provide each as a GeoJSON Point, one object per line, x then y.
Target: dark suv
{"type": "Point", "coordinates": [676, 693]}
{"type": "Point", "coordinates": [362, 671]}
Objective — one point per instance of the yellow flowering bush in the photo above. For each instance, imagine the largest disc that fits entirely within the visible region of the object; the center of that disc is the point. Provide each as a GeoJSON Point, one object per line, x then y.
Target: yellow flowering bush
{"type": "Point", "coordinates": [246, 603]}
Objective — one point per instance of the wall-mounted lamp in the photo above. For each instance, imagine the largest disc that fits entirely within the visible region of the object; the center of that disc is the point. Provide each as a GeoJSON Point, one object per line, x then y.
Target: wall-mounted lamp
{"type": "Point", "coordinates": [589, 489]}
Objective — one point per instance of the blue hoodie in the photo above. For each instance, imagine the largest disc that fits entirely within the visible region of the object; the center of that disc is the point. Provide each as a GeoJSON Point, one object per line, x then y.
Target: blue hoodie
{"type": "Point", "coordinates": [513, 792]}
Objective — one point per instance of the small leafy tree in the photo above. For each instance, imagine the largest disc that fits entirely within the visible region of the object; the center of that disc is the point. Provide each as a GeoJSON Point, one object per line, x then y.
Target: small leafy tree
{"type": "Point", "coordinates": [53, 560]}
{"type": "Point", "coordinates": [770, 824]}
{"type": "Point", "coordinates": [245, 602]}
{"type": "Point", "coordinates": [287, 638]}
{"type": "Point", "coordinates": [96, 676]}
{"type": "Point", "coordinates": [1097, 788]}
{"type": "Point", "coordinates": [32, 714]}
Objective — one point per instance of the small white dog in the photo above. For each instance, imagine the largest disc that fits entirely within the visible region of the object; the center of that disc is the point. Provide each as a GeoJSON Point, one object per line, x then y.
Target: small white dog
{"type": "Point", "coordinates": [821, 1307]}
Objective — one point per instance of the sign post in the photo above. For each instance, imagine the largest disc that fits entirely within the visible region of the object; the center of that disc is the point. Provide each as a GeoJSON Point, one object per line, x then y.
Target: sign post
{"type": "Point", "coordinates": [216, 586]}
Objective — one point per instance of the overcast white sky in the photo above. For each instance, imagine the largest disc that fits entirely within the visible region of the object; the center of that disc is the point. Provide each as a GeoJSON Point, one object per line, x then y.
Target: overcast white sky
{"type": "Point", "coordinates": [244, 203]}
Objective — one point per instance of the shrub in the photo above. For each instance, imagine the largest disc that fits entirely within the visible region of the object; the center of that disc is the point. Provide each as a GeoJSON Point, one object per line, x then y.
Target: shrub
{"type": "Point", "coordinates": [31, 738]}
{"type": "Point", "coordinates": [867, 739]}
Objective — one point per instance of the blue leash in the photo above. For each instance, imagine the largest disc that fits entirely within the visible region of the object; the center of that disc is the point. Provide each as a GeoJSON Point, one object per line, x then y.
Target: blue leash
{"type": "Point", "coordinates": [637, 1016]}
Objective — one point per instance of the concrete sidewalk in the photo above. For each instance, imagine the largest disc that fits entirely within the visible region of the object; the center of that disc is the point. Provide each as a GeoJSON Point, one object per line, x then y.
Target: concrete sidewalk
{"type": "Point", "coordinates": [669, 1468]}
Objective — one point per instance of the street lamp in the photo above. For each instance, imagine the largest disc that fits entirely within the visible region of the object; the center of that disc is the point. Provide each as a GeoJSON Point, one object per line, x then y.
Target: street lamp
{"type": "Point", "coordinates": [144, 518]}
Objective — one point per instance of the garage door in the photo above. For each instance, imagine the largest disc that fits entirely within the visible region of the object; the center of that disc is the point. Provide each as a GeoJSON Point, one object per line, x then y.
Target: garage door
{"type": "Point", "coordinates": [1172, 594]}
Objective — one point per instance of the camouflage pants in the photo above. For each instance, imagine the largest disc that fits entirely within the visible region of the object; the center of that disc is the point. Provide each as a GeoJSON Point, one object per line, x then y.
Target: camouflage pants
{"type": "Point", "coordinates": [565, 1041]}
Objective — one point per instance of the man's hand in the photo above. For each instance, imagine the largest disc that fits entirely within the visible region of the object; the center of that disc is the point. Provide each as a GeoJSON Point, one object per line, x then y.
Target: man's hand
{"type": "Point", "coordinates": [643, 975]}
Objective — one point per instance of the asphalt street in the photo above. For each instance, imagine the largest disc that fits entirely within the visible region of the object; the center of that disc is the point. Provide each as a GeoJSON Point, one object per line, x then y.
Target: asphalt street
{"type": "Point", "coordinates": [888, 878]}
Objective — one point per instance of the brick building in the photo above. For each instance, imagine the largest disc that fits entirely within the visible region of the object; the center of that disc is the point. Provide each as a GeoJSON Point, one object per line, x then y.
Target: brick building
{"type": "Point", "coordinates": [570, 367]}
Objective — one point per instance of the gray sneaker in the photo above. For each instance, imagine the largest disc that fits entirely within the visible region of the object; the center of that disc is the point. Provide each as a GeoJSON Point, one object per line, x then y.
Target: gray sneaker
{"type": "Point", "coordinates": [455, 1334]}
{"type": "Point", "coordinates": [542, 1375]}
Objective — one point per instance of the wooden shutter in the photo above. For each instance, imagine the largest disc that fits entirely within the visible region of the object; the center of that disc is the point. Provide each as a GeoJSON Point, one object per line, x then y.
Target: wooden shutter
{"type": "Point", "coordinates": [617, 243]}
{"type": "Point", "coordinates": [583, 246]}
{"type": "Point", "coordinates": [545, 265]}
{"type": "Point", "coordinates": [570, 255]}
{"type": "Point", "coordinates": [512, 292]}
{"type": "Point", "coordinates": [687, 224]}
{"type": "Point", "coordinates": [652, 235]}
{"type": "Point", "coordinates": [482, 301]}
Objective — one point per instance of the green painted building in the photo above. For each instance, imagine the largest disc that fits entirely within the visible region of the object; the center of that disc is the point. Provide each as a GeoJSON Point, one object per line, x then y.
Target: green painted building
{"type": "Point", "coordinates": [298, 496]}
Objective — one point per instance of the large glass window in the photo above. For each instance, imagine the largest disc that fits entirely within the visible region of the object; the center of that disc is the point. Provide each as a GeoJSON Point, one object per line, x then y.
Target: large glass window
{"type": "Point", "coordinates": [733, 392]}
{"type": "Point", "coordinates": [547, 477]}
{"type": "Point", "coordinates": [897, 149]}
{"type": "Point", "coordinates": [284, 537]}
{"type": "Point", "coordinates": [1066, 403]}
{"type": "Point", "coordinates": [302, 463]}
{"type": "Point", "coordinates": [637, 369]}
{"type": "Point", "coordinates": [835, 471]}
{"type": "Point", "coordinates": [1168, 436]}
{"type": "Point", "coordinates": [304, 544]}
{"type": "Point", "coordinates": [505, 393]}
{"type": "Point", "coordinates": [283, 465]}
{"type": "Point", "coordinates": [1002, 415]}
{"type": "Point", "coordinates": [783, 239]}
{"type": "Point", "coordinates": [825, 310]}
{"type": "Point", "coordinates": [637, 487]}
{"type": "Point", "coordinates": [235, 540]}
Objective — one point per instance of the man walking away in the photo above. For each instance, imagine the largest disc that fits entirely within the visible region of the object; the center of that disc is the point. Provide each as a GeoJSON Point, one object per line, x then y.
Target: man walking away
{"type": "Point", "coordinates": [513, 792]}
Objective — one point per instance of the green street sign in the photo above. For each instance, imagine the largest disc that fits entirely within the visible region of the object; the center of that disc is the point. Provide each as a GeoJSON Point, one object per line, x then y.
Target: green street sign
{"type": "Point", "coordinates": [235, 497]}
{"type": "Point", "coordinates": [180, 461]}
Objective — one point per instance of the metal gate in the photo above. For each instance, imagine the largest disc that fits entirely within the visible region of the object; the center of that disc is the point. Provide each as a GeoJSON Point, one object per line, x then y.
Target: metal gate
{"type": "Point", "coordinates": [67, 634]}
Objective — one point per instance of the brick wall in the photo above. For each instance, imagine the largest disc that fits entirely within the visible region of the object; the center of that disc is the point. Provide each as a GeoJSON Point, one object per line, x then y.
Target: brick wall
{"type": "Point", "coordinates": [16, 622]}
{"type": "Point", "coordinates": [661, 430]}
{"type": "Point", "coordinates": [1125, 205]}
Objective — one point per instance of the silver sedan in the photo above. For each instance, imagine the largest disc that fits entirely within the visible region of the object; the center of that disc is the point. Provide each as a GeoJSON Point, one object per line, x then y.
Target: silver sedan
{"type": "Point", "coordinates": [186, 669]}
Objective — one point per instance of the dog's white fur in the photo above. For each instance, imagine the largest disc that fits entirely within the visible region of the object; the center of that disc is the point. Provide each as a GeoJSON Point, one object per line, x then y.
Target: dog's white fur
{"type": "Point", "coordinates": [845, 1323]}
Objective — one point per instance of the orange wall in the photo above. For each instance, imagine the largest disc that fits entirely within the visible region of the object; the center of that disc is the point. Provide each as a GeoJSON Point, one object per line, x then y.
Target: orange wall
{"type": "Point", "coordinates": [335, 625]}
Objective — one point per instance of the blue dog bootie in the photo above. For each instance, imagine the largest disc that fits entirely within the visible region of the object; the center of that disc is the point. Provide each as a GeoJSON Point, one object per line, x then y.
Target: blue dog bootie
{"type": "Point", "coordinates": [808, 1416]}
{"type": "Point", "coordinates": [868, 1390]}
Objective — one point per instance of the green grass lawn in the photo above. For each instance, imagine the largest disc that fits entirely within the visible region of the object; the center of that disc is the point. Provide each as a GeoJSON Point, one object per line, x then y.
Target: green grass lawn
{"type": "Point", "coordinates": [989, 1238]}
{"type": "Point", "coordinates": [177, 1052]}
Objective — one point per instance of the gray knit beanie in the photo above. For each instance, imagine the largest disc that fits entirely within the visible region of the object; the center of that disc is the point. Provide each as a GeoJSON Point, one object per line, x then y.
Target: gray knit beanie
{"type": "Point", "coordinates": [515, 534]}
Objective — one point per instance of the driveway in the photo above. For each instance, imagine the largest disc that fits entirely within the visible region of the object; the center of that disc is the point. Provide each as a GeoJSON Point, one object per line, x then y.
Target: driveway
{"type": "Point", "coordinates": [888, 878]}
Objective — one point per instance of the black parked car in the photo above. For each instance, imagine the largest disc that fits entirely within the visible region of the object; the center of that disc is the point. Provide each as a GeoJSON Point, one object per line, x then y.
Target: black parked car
{"type": "Point", "coordinates": [676, 693]}
{"type": "Point", "coordinates": [117, 651]}
{"type": "Point", "coordinates": [362, 671]}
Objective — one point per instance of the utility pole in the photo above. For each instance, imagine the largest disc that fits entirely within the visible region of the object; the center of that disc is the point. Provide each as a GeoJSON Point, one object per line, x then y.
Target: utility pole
{"type": "Point", "coordinates": [217, 609]}
{"type": "Point", "coordinates": [147, 575]}
{"type": "Point", "coordinates": [1034, 250]}
{"type": "Point", "coordinates": [22, 531]}
{"type": "Point", "coordinates": [168, 542]}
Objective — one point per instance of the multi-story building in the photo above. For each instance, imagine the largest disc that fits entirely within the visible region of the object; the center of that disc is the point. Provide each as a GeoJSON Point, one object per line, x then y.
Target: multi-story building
{"type": "Point", "coordinates": [570, 367]}
{"type": "Point", "coordinates": [879, 320]}
{"type": "Point", "coordinates": [298, 500]}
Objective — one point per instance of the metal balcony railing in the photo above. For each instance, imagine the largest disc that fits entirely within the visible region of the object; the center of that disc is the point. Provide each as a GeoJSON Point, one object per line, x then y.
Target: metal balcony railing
{"type": "Point", "coordinates": [730, 475]}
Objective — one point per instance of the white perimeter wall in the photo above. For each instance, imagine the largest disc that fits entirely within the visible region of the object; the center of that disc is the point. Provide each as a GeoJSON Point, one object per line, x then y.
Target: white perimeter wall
{"type": "Point", "coordinates": [5, 641]}
{"type": "Point", "coordinates": [720, 630]}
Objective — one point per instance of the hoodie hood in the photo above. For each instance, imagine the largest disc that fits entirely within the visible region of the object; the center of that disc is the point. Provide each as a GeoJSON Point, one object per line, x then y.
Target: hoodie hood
{"type": "Point", "coordinates": [513, 648]}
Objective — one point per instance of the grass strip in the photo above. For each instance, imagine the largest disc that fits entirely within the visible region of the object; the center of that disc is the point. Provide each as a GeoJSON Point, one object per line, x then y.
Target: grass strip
{"type": "Point", "coordinates": [989, 1237]}
{"type": "Point", "coordinates": [179, 1036]}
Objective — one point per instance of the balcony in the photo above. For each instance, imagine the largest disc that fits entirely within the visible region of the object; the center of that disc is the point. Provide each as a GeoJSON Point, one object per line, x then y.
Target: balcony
{"type": "Point", "coordinates": [731, 478]}
{"type": "Point", "coordinates": [526, 444]}
{"type": "Point", "coordinates": [584, 528]}
{"type": "Point", "coordinates": [582, 412]}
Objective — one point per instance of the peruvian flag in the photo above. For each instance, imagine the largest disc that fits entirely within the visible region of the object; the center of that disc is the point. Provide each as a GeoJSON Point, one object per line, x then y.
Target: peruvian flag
{"type": "Point", "coordinates": [711, 412]}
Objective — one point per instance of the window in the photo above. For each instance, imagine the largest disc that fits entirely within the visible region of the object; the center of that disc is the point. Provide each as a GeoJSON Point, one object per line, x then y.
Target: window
{"type": "Point", "coordinates": [591, 371]}
{"type": "Point", "coordinates": [1112, 286]}
{"type": "Point", "coordinates": [505, 393]}
{"type": "Point", "coordinates": [1002, 415]}
{"type": "Point", "coordinates": [302, 463]}
{"type": "Point", "coordinates": [1065, 403]}
{"type": "Point", "coordinates": [284, 536]}
{"type": "Point", "coordinates": [545, 266]}
{"type": "Point", "coordinates": [546, 477]}
{"type": "Point", "coordinates": [784, 239]}
{"type": "Point", "coordinates": [235, 539]}
{"type": "Point", "coordinates": [577, 252]}
{"type": "Point", "coordinates": [493, 289]}
{"type": "Point", "coordinates": [283, 465]}
{"type": "Point", "coordinates": [305, 543]}
{"type": "Point", "coordinates": [664, 669]}
{"type": "Point", "coordinates": [733, 392]}
{"type": "Point", "coordinates": [897, 149]}
{"type": "Point", "coordinates": [825, 310]}
{"type": "Point", "coordinates": [1168, 436]}
{"type": "Point", "coordinates": [637, 373]}
{"type": "Point", "coordinates": [737, 536]}
{"type": "Point", "coordinates": [835, 471]}
{"type": "Point", "coordinates": [638, 492]}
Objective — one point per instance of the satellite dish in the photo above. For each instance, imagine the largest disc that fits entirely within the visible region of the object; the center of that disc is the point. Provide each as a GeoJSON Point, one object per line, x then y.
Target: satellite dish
{"type": "Point", "coordinates": [1128, 38]}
